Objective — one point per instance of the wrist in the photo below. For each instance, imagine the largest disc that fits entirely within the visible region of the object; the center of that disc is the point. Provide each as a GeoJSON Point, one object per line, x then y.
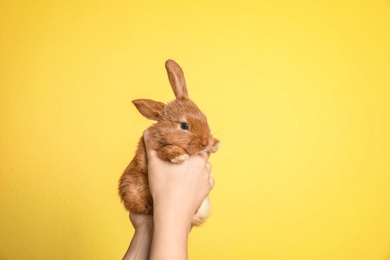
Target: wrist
{"type": "Point", "coordinates": [145, 228]}
{"type": "Point", "coordinates": [141, 242]}
{"type": "Point", "coordinates": [174, 219]}
{"type": "Point", "coordinates": [170, 234]}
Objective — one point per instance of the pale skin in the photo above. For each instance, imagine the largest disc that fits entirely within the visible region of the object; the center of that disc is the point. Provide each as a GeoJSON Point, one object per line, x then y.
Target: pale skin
{"type": "Point", "coordinates": [177, 190]}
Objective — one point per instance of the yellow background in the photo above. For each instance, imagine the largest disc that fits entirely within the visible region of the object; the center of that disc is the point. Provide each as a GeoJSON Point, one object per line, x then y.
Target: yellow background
{"type": "Point", "coordinates": [299, 93]}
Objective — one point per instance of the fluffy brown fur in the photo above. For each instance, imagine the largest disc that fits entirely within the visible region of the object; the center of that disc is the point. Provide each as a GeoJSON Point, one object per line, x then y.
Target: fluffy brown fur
{"type": "Point", "coordinates": [167, 137]}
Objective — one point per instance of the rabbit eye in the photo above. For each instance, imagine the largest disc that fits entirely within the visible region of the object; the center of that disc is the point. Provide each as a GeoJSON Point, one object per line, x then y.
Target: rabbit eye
{"type": "Point", "coordinates": [184, 126]}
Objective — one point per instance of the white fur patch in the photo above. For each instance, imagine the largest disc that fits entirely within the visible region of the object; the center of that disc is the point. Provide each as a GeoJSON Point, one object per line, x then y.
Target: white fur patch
{"type": "Point", "coordinates": [202, 214]}
{"type": "Point", "coordinates": [180, 158]}
{"type": "Point", "coordinates": [216, 147]}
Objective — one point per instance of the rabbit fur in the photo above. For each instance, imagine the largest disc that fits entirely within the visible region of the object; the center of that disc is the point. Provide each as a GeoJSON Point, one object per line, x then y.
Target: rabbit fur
{"type": "Point", "coordinates": [181, 130]}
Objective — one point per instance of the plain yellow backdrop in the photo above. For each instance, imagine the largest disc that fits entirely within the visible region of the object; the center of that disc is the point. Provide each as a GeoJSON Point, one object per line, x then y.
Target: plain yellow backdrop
{"type": "Point", "coordinates": [298, 92]}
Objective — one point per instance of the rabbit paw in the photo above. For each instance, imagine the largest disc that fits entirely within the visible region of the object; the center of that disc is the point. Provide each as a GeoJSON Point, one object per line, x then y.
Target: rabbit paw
{"type": "Point", "coordinates": [173, 153]}
{"type": "Point", "coordinates": [216, 147]}
{"type": "Point", "coordinates": [180, 158]}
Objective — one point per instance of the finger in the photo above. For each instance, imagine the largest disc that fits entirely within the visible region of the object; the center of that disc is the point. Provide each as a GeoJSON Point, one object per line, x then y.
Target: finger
{"type": "Point", "coordinates": [205, 155]}
{"type": "Point", "coordinates": [146, 139]}
{"type": "Point", "coordinates": [150, 153]}
{"type": "Point", "coordinates": [209, 169]}
{"type": "Point", "coordinates": [212, 183]}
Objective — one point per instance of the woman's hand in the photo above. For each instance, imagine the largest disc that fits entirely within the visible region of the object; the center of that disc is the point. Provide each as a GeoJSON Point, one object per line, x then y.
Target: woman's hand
{"type": "Point", "coordinates": [139, 248]}
{"type": "Point", "coordinates": [177, 190]}
{"type": "Point", "coordinates": [140, 221]}
{"type": "Point", "coordinates": [179, 187]}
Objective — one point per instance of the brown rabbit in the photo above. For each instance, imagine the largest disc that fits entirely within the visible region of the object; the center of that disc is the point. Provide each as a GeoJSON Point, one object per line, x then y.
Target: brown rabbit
{"type": "Point", "coordinates": [181, 131]}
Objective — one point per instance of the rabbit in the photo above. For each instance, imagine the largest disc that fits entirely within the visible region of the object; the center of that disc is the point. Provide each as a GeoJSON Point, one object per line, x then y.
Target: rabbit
{"type": "Point", "coordinates": [181, 130]}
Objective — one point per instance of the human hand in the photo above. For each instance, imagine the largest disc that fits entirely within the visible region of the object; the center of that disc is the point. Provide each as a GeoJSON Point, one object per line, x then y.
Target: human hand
{"type": "Point", "coordinates": [141, 242]}
{"type": "Point", "coordinates": [140, 221]}
{"type": "Point", "coordinates": [178, 188]}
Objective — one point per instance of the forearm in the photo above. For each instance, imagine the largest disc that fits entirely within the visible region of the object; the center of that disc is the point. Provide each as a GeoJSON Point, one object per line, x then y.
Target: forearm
{"type": "Point", "coordinates": [139, 248]}
{"type": "Point", "coordinates": [170, 237]}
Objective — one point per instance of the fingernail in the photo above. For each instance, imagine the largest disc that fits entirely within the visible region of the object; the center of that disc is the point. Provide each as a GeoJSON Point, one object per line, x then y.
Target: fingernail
{"type": "Point", "coordinates": [146, 134]}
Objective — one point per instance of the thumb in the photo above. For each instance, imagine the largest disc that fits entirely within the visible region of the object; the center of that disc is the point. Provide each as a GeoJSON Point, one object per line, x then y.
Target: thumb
{"type": "Point", "coordinates": [150, 153]}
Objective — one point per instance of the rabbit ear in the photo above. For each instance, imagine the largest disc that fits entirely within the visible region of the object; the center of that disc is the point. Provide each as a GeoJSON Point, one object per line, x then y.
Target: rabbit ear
{"type": "Point", "coordinates": [177, 80]}
{"type": "Point", "coordinates": [149, 108]}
